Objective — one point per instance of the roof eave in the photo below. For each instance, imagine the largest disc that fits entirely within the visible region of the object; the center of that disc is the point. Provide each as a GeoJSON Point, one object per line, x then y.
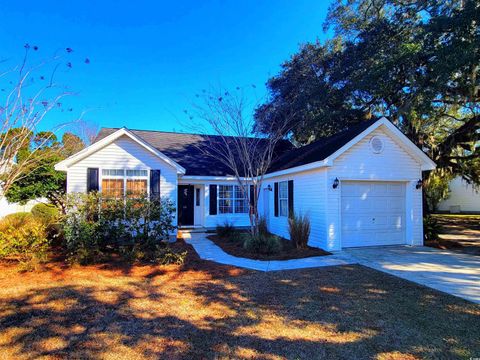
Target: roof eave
{"type": "Point", "coordinates": [65, 164]}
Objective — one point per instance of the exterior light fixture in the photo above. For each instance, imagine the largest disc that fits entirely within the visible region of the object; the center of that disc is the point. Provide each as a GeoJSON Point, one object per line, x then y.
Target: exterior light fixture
{"type": "Point", "coordinates": [419, 184]}
{"type": "Point", "coordinates": [335, 183]}
{"type": "Point", "coordinates": [269, 187]}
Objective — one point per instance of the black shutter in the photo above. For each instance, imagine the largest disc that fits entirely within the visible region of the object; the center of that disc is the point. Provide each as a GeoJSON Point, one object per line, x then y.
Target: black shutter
{"type": "Point", "coordinates": [92, 179]}
{"type": "Point", "coordinates": [252, 196]}
{"type": "Point", "coordinates": [275, 192]}
{"type": "Point", "coordinates": [290, 198]}
{"type": "Point", "coordinates": [213, 199]}
{"type": "Point", "coordinates": [155, 183]}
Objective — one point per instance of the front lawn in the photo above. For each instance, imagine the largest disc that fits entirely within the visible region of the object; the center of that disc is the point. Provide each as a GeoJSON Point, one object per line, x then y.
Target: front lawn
{"type": "Point", "coordinates": [234, 245]}
{"type": "Point", "coordinates": [203, 310]}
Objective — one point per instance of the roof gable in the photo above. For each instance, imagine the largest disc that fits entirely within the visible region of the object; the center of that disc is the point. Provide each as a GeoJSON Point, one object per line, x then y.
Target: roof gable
{"type": "Point", "coordinates": [324, 151]}
{"type": "Point", "coordinates": [101, 143]}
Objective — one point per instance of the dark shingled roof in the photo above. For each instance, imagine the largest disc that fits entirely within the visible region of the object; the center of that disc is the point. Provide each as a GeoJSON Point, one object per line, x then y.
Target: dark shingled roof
{"type": "Point", "coordinates": [320, 149]}
{"type": "Point", "coordinates": [186, 149]}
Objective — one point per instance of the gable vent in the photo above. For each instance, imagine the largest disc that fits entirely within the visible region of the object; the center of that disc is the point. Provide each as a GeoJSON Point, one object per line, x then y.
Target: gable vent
{"type": "Point", "coordinates": [376, 144]}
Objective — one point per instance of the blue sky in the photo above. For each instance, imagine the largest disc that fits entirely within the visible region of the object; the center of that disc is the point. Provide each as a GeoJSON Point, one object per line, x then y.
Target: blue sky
{"type": "Point", "coordinates": [148, 59]}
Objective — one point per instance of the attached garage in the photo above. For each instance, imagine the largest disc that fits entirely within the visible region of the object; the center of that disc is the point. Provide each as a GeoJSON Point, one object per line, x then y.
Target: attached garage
{"type": "Point", "coordinates": [372, 213]}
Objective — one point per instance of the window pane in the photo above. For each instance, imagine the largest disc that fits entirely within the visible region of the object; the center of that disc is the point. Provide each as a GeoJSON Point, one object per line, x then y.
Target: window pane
{"type": "Point", "coordinates": [225, 206]}
{"type": "Point", "coordinates": [239, 193]}
{"type": "Point", "coordinates": [112, 172]}
{"type": "Point", "coordinates": [225, 191]}
{"type": "Point", "coordinates": [137, 172]}
{"type": "Point", "coordinates": [136, 188]}
{"type": "Point", "coordinates": [283, 189]}
{"type": "Point", "coordinates": [283, 207]}
{"type": "Point", "coordinates": [241, 206]}
{"type": "Point", "coordinates": [112, 188]}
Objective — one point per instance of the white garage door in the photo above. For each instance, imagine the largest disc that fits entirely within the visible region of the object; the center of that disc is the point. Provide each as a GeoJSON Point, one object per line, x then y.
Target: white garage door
{"type": "Point", "coordinates": [373, 213]}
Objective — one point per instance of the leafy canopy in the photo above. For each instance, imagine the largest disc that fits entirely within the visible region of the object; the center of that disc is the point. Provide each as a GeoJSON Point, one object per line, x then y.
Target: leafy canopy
{"type": "Point", "coordinates": [42, 180]}
{"type": "Point", "coordinates": [417, 63]}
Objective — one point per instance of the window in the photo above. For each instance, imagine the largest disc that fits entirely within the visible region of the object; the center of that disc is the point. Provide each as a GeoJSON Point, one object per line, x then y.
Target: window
{"type": "Point", "coordinates": [136, 188]}
{"type": "Point", "coordinates": [112, 188]}
{"type": "Point", "coordinates": [197, 197]}
{"type": "Point", "coordinates": [113, 172]}
{"type": "Point", "coordinates": [231, 200]}
{"type": "Point", "coordinates": [118, 183]}
{"type": "Point", "coordinates": [283, 198]}
{"type": "Point", "coordinates": [241, 205]}
{"type": "Point", "coordinates": [137, 172]}
{"type": "Point", "coordinates": [225, 199]}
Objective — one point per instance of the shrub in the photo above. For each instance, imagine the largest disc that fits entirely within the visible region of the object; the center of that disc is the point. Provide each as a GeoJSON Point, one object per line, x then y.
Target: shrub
{"type": "Point", "coordinates": [238, 237]}
{"type": "Point", "coordinates": [299, 230]}
{"type": "Point", "coordinates": [262, 244]}
{"type": "Point", "coordinates": [96, 226]}
{"type": "Point", "coordinates": [47, 214]}
{"type": "Point", "coordinates": [431, 228]}
{"type": "Point", "coordinates": [166, 256]}
{"type": "Point", "coordinates": [23, 238]}
{"type": "Point", "coordinates": [226, 230]}
{"type": "Point", "coordinates": [262, 227]}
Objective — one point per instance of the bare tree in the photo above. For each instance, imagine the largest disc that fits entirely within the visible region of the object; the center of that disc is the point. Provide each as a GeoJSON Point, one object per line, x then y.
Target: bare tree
{"type": "Point", "coordinates": [28, 93]}
{"type": "Point", "coordinates": [246, 152]}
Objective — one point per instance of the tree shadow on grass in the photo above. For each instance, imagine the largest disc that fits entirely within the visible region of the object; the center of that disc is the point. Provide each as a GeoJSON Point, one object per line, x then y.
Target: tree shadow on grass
{"type": "Point", "coordinates": [318, 313]}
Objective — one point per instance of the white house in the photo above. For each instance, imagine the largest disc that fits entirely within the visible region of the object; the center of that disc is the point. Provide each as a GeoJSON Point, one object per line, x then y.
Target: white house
{"type": "Point", "coordinates": [360, 187]}
{"type": "Point", "coordinates": [7, 208]}
{"type": "Point", "coordinates": [463, 198]}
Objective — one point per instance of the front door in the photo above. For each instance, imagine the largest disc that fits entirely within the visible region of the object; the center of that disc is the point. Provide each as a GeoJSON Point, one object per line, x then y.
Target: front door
{"type": "Point", "coordinates": [185, 205]}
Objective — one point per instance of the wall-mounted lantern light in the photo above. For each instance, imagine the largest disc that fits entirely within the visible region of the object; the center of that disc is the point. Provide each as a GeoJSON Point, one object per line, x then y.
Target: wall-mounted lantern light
{"type": "Point", "coordinates": [419, 184]}
{"type": "Point", "coordinates": [269, 187]}
{"type": "Point", "coordinates": [335, 183]}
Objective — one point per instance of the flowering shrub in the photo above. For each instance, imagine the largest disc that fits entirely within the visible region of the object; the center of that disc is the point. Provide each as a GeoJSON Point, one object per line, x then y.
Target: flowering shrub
{"type": "Point", "coordinates": [95, 226]}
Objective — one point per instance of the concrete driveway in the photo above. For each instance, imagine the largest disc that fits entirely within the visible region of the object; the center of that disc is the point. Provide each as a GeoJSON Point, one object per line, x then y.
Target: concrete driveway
{"type": "Point", "coordinates": [454, 273]}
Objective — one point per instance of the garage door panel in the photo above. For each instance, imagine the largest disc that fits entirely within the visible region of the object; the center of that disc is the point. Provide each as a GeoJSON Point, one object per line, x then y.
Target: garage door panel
{"type": "Point", "coordinates": [373, 213]}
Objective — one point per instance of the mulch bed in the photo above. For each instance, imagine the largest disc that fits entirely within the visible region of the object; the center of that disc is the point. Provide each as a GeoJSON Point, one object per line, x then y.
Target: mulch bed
{"type": "Point", "coordinates": [288, 251]}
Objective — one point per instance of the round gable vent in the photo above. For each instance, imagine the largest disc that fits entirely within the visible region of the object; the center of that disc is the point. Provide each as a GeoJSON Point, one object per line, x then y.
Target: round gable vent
{"type": "Point", "coordinates": [376, 144]}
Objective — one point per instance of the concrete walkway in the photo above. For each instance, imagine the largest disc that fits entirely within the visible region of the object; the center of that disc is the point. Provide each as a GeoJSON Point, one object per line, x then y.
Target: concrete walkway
{"type": "Point", "coordinates": [207, 250]}
{"type": "Point", "coordinates": [446, 271]}
{"type": "Point", "coordinates": [443, 270]}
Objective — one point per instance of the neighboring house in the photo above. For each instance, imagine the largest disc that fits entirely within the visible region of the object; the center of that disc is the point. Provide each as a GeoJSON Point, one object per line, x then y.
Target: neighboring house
{"type": "Point", "coordinates": [463, 198]}
{"type": "Point", "coordinates": [7, 208]}
{"type": "Point", "coordinates": [360, 187]}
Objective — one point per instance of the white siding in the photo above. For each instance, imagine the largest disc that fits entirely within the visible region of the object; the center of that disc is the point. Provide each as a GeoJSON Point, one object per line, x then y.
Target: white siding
{"type": "Point", "coordinates": [463, 198]}
{"type": "Point", "coordinates": [7, 208]}
{"type": "Point", "coordinates": [123, 153]}
{"type": "Point", "coordinates": [360, 163]}
{"type": "Point", "coordinates": [308, 199]}
{"type": "Point", "coordinates": [211, 221]}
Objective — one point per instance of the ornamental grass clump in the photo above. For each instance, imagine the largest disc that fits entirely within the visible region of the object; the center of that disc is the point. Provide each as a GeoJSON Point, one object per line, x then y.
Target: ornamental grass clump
{"type": "Point", "coordinates": [299, 230]}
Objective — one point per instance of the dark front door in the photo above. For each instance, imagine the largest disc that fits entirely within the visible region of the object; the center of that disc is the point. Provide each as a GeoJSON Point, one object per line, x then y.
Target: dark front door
{"type": "Point", "coordinates": [185, 205]}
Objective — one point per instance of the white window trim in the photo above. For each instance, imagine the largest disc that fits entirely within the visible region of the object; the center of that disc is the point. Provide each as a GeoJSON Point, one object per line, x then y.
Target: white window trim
{"type": "Point", "coordinates": [233, 199]}
{"type": "Point", "coordinates": [124, 177]}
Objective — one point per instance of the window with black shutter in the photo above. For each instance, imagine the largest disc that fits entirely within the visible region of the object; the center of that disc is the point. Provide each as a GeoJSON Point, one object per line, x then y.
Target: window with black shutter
{"type": "Point", "coordinates": [92, 179]}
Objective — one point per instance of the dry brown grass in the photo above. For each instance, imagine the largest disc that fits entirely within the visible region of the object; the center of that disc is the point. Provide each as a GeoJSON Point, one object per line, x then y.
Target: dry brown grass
{"type": "Point", "coordinates": [459, 233]}
{"type": "Point", "coordinates": [202, 310]}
